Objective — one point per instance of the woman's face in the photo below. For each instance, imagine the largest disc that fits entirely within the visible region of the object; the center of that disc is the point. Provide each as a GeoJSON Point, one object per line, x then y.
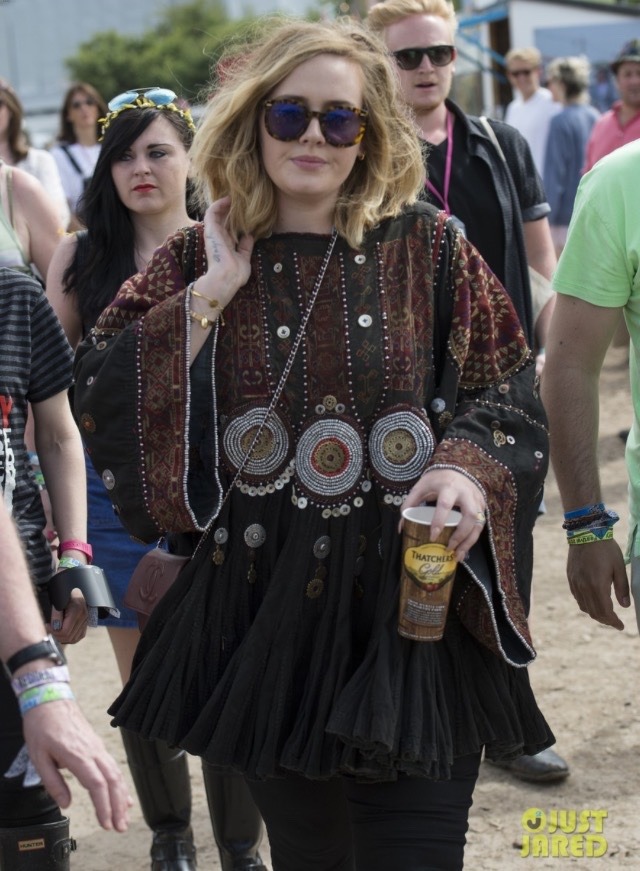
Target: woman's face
{"type": "Point", "coordinates": [5, 118]}
{"type": "Point", "coordinates": [557, 89]}
{"type": "Point", "coordinates": [309, 172]}
{"type": "Point", "coordinates": [150, 177]}
{"type": "Point", "coordinates": [82, 110]}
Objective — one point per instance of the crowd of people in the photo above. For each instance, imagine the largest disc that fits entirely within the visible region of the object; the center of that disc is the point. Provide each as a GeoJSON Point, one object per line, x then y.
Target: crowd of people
{"type": "Point", "coordinates": [332, 300]}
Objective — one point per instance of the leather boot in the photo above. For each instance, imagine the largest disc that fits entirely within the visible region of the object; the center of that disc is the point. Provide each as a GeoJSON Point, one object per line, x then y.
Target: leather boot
{"type": "Point", "coordinates": [42, 847]}
{"type": "Point", "coordinates": [236, 821]}
{"type": "Point", "coordinates": [161, 777]}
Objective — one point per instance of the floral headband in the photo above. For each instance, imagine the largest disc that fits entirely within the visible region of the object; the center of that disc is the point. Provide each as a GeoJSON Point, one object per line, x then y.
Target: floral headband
{"type": "Point", "coordinates": [144, 98]}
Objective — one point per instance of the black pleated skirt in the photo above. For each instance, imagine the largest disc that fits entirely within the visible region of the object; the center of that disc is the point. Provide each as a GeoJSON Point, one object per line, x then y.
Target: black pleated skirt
{"type": "Point", "coordinates": [283, 655]}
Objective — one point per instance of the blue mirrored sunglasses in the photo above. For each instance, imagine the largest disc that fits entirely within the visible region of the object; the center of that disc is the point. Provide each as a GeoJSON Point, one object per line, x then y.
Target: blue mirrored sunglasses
{"type": "Point", "coordinates": [288, 118]}
{"type": "Point", "coordinates": [157, 96]}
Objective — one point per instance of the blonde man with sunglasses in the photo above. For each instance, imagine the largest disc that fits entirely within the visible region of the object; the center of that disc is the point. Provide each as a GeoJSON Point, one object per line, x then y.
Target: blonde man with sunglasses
{"type": "Point", "coordinates": [484, 177]}
{"type": "Point", "coordinates": [492, 191]}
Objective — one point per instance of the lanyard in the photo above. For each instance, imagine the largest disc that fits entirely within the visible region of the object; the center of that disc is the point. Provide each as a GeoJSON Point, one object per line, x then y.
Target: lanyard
{"type": "Point", "coordinates": [444, 197]}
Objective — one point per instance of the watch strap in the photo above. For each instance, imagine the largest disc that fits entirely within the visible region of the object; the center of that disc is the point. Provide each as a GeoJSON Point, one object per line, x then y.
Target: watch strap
{"type": "Point", "coordinates": [45, 649]}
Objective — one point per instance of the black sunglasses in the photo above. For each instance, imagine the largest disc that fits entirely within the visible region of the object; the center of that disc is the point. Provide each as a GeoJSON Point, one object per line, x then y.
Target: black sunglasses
{"type": "Point", "coordinates": [341, 126]}
{"type": "Point", "coordinates": [411, 58]}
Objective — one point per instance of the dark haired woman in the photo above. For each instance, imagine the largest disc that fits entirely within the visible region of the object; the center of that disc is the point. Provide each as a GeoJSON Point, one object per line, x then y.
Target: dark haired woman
{"type": "Point", "coordinates": [77, 147]}
{"type": "Point", "coordinates": [135, 199]}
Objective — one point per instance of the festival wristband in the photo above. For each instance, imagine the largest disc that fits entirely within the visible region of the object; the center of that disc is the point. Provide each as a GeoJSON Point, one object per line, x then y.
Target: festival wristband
{"type": "Point", "coordinates": [69, 562]}
{"type": "Point", "coordinates": [590, 537]}
{"type": "Point", "coordinates": [604, 519]}
{"type": "Point", "coordinates": [80, 546]}
{"type": "Point", "coordinates": [57, 674]}
{"type": "Point", "coordinates": [36, 696]}
{"type": "Point", "coordinates": [598, 508]}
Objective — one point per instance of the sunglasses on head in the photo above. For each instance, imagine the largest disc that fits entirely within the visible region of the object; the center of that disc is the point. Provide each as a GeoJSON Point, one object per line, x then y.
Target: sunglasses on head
{"type": "Point", "coordinates": [411, 58]}
{"type": "Point", "coordinates": [144, 98]}
{"type": "Point", "coordinates": [341, 126]}
{"type": "Point", "coordinates": [155, 96]}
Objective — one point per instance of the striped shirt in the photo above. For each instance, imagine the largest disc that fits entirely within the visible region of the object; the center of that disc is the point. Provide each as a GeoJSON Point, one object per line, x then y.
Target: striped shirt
{"type": "Point", "coordinates": [35, 364]}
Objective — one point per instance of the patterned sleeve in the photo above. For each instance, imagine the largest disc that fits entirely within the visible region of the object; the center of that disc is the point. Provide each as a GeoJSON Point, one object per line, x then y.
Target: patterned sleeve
{"type": "Point", "coordinates": [161, 282]}
{"type": "Point", "coordinates": [132, 394]}
{"type": "Point", "coordinates": [494, 431]}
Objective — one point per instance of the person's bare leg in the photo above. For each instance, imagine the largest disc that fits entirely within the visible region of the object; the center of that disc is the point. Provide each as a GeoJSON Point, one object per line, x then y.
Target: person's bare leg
{"type": "Point", "coordinates": [124, 643]}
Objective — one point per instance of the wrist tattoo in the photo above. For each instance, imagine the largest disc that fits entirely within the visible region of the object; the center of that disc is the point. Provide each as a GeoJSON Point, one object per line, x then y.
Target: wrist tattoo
{"type": "Point", "coordinates": [215, 249]}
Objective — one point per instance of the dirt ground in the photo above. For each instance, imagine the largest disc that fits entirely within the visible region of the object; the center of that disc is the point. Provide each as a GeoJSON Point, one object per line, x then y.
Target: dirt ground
{"type": "Point", "coordinates": [586, 680]}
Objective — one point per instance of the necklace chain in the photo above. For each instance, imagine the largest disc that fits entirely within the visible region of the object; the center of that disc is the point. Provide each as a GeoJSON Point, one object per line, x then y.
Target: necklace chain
{"type": "Point", "coordinates": [281, 383]}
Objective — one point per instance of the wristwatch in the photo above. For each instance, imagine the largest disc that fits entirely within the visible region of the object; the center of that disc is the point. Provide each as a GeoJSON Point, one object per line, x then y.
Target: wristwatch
{"type": "Point", "coordinates": [45, 649]}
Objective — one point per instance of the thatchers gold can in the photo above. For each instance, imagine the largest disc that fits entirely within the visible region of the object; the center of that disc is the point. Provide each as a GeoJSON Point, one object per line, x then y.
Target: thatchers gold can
{"type": "Point", "coordinates": [428, 570]}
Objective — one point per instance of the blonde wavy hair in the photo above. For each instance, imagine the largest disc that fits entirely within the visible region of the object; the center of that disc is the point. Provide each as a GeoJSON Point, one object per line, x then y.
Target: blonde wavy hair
{"type": "Point", "coordinates": [384, 14]}
{"type": "Point", "coordinates": [226, 156]}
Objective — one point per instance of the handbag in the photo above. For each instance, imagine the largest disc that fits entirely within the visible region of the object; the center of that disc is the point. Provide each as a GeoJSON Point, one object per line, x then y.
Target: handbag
{"type": "Point", "coordinates": [151, 579]}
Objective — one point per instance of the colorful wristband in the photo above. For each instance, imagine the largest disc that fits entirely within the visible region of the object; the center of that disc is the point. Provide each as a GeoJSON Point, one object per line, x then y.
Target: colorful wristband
{"type": "Point", "coordinates": [597, 523]}
{"type": "Point", "coordinates": [586, 510]}
{"type": "Point", "coordinates": [590, 537]}
{"type": "Point", "coordinates": [36, 696]}
{"type": "Point", "coordinates": [80, 546]}
{"type": "Point", "coordinates": [57, 674]}
{"type": "Point", "coordinates": [69, 562]}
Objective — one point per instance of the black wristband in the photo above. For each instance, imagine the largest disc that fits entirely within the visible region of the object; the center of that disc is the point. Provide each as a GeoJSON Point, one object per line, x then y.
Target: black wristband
{"type": "Point", "coordinates": [45, 649]}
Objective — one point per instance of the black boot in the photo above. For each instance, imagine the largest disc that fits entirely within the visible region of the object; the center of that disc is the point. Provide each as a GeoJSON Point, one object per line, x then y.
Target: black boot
{"type": "Point", "coordinates": [43, 847]}
{"type": "Point", "coordinates": [161, 778]}
{"type": "Point", "coordinates": [236, 821]}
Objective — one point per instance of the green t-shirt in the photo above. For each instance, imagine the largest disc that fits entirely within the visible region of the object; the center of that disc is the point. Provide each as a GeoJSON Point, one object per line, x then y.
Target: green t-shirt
{"type": "Point", "coordinates": [601, 265]}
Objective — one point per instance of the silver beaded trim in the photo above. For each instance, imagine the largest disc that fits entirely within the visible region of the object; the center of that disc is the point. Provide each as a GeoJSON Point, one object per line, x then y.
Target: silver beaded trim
{"type": "Point", "coordinates": [269, 455]}
{"type": "Point", "coordinates": [329, 458]}
{"type": "Point", "coordinates": [401, 443]}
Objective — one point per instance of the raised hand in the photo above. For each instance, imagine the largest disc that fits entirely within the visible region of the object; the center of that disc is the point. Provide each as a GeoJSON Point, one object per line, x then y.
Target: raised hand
{"type": "Point", "coordinates": [450, 489]}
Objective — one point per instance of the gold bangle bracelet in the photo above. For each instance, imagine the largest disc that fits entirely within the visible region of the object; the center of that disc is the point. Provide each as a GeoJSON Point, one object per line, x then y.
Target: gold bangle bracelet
{"type": "Point", "coordinates": [213, 303]}
{"type": "Point", "coordinates": [203, 320]}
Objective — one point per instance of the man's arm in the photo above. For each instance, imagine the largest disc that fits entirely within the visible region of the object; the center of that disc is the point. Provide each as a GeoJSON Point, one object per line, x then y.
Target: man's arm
{"type": "Point", "coordinates": [57, 734]}
{"type": "Point", "coordinates": [541, 256]}
{"type": "Point", "coordinates": [578, 339]}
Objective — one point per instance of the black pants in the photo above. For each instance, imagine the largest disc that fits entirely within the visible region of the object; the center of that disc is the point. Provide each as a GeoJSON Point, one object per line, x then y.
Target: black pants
{"type": "Point", "coordinates": [340, 825]}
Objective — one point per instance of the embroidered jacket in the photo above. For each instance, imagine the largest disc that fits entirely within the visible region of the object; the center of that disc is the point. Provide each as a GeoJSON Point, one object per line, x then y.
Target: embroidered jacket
{"type": "Point", "coordinates": [413, 358]}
